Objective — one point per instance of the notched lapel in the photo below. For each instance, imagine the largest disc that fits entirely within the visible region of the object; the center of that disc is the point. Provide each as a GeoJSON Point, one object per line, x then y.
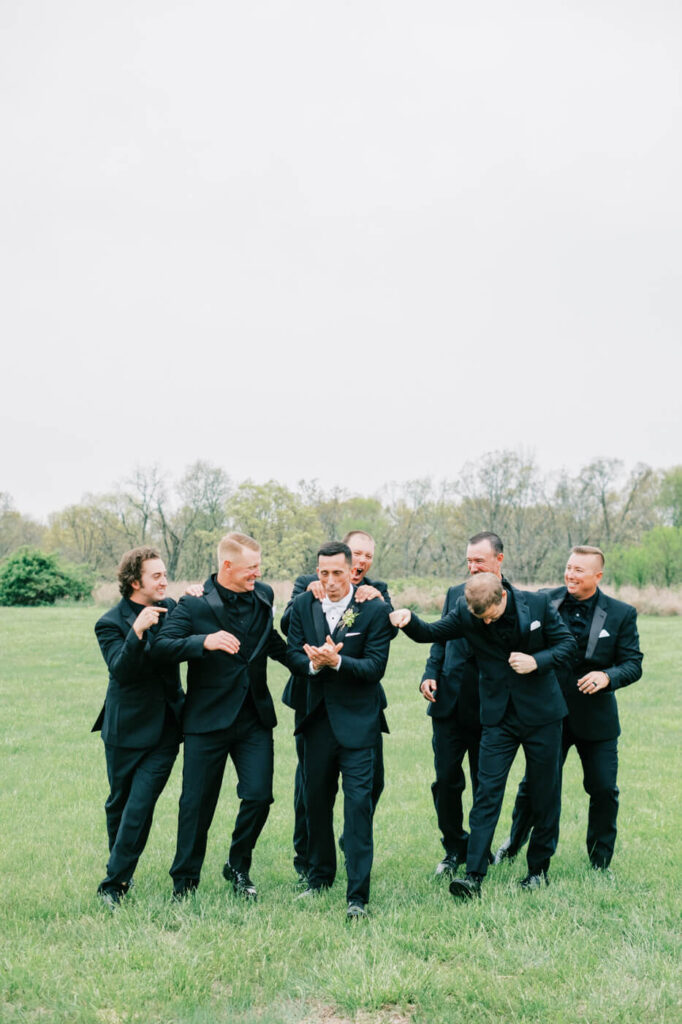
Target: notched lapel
{"type": "Point", "coordinates": [319, 622]}
{"type": "Point", "coordinates": [598, 620]}
{"type": "Point", "coordinates": [215, 603]}
{"type": "Point", "coordinates": [266, 631]}
{"type": "Point", "coordinates": [522, 615]}
{"type": "Point", "coordinates": [342, 628]}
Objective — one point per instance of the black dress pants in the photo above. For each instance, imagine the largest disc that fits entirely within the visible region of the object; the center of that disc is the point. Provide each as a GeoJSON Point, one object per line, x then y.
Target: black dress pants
{"type": "Point", "coordinates": [136, 780]}
{"type": "Point", "coordinates": [324, 759]}
{"type": "Point", "coordinates": [453, 737]}
{"type": "Point", "coordinates": [250, 746]}
{"type": "Point", "coordinates": [599, 759]}
{"type": "Point", "coordinates": [300, 818]}
{"type": "Point", "coordinates": [499, 744]}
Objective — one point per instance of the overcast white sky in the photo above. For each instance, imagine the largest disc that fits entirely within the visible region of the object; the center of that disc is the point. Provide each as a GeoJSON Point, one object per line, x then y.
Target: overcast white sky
{"type": "Point", "coordinates": [357, 241]}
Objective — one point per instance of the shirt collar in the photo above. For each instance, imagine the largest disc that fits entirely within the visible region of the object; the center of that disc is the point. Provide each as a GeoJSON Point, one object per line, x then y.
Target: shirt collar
{"type": "Point", "coordinates": [342, 604]}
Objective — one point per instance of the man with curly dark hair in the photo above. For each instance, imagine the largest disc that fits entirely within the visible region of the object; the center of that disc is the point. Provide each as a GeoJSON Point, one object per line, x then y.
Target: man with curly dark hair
{"type": "Point", "coordinates": [140, 720]}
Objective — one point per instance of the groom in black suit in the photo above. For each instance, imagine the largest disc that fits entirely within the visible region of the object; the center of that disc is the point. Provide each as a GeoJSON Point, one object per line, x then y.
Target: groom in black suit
{"type": "Point", "coordinates": [140, 720]}
{"type": "Point", "coordinates": [295, 694]}
{"type": "Point", "coordinates": [342, 647]}
{"type": "Point", "coordinates": [609, 658]}
{"type": "Point", "coordinates": [226, 637]}
{"type": "Point", "coordinates": [518, 641]}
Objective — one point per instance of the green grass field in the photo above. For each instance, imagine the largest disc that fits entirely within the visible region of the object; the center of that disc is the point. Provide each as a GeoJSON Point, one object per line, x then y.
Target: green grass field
{"type": "Point", "coordinates": [592, 947]}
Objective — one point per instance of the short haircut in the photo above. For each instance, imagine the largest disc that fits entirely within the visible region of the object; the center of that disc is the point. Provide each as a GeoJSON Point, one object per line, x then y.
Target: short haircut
{"type": "Point", "coordinates": [363, 533]}
{"type": "Point", "coordinates": [130, 568]}
{"type": "Point", "coordinates": [492, 538]}
{"type": "Point", "coordinates": [335, 547]}
{"type": "Point", "coordinates": [232, 545]}
{"type": "Point", "coordinates": [482, 591]}
{"type": "Point", "coordinates": [584, 549]}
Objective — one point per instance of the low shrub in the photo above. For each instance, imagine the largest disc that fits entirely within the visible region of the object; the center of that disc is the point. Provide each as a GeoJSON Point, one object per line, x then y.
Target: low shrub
{"type": "Point", "coordinates": [32, 577]}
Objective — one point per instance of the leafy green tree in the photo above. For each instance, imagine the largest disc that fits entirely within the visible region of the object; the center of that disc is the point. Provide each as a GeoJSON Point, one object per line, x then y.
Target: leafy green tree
{"type": "Point", "coordinates": [627, 565]}
{"type": "Point", "coordinates": [90, 533]}
{"type": "Point", "coordinates": [670, 496]}
{"type": "Point", "coordinates": [287, 530]}
{"type": "Point", "coordinates": [190, 533]}
{"type": "Point", "coordinates": [16, 530]}
{"type": "Point", "coordinates": [31, 577]}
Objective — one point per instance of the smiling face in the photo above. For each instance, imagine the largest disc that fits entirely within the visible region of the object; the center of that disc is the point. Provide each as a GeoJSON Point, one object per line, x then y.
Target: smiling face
{"type": "Point", "coordinates": [334, 573]}
{"type": "Point", "coordinates": [582, 575]}
{"type": "Point", "coordinates": [362, 549]}
{"type": "Point", "coordinates": [482, 557]}
{"type": "Point", "coordinates": [240, 572]}
{"type": "Point", "coordinates": [152, 584]}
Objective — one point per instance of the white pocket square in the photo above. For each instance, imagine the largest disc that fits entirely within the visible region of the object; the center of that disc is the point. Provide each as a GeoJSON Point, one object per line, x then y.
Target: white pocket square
{"type": "Point", "coordinates": [603, 633]}
{"type": "Point", "coordinates": [353, 634]}
{"type": "Point", "coordinates": [535, 624]}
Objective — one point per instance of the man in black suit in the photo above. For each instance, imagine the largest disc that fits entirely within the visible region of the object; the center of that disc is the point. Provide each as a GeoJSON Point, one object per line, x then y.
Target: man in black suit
{"type": "Point", "coordinates": [608, 658]}
{"type": "Point", "coordinates": [295, 694]}
{"type": "Point", "coordinates": [343, 718]}
{"type": "Point", "coordinates": [226, 636]}
{"type": "Point", "coordinates": [450, 685]}
{"type": "Point", "coordinates": [518, 641]}
{"type": "Point", "coordinates": [140, 720]}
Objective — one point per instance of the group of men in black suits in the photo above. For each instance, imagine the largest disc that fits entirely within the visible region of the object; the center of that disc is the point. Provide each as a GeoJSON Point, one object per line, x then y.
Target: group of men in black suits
{"type": "Point", "coordinates": [532, 658]}
{"type": "Point", "coordinates": [547, 664]}
{"type": "Point", "coordinates": [224, 630]}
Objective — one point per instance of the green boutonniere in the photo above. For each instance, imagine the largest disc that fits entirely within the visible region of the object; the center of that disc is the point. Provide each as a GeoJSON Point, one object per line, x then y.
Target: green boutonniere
{"type": "Point", "coordinates": [349, 617]}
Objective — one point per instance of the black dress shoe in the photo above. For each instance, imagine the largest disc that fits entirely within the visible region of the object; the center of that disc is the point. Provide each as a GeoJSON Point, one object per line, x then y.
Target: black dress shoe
{"type": "Point", "coordinates": [241, 883]}
{"type": "Point", "coordinates": [466, 888]}
{"type": "Point", "coordinates": [504, 852]}
{"type": "Point", "coordinates": [355, 910]}
{"type": "Point", "coordinates": [183, 887]}
{"type": "Point", "coordinates": [109, 898]}
{"type": "Point", "coordinates": [534, 880]}
{"type": "Point", "coordinates": [448, 865]}
{"type": "Point", "coordinates": [112, 894]}
{"type": "Point", "coordinates": [243, 886]}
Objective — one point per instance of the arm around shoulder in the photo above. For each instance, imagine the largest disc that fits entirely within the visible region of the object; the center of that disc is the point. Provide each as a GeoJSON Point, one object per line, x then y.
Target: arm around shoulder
{"type": "Point", "coordinates": [178, 640]}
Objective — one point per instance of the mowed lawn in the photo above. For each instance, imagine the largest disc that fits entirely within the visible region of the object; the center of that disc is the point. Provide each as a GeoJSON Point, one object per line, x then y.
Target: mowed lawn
{"type": "Point", "coordinates": [591, 947]}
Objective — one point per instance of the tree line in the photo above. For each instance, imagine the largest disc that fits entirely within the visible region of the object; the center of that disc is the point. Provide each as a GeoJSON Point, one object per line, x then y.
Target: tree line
{"type": "Point", "coordinates": [421, 526]}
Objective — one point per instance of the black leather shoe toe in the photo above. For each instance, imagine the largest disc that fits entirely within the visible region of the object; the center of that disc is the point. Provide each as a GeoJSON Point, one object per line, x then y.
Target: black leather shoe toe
{"type": "Point", "coordinates": [465, 888]}
{"type": "Point", "coordinates": [448, 865]}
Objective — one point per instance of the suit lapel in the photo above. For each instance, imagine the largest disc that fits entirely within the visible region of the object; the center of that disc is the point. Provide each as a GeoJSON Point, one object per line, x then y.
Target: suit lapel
{"type": "Point", "coordinates": [320, 623]}
{"type": "Point", "coordinates": [522, 616]}
{"type": "Point", "coordinates": [341, 627]}
{"type": "Point", "coordinates": [556, 601]}
{"type": "Point", "coordinates": [266, 629]}
{"type": "Point", "coordinates": [127, 613]}
{"type": "Point", "coordinates": [215, 603]}
{"type": "Point", "coordinates": [598, 620]}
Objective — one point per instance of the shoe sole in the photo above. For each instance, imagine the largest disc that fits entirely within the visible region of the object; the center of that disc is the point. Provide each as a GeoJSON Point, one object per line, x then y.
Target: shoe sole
{"type": "Point", "coordinates": [462, 892]}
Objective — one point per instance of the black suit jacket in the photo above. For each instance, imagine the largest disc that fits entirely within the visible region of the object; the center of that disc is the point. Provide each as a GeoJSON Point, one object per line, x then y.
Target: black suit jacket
{"type": "Point", "coordinates": [536, 696]}
{"type": "Point", "coordinates": [217, 683]}
{"type": "Point", "coordinates": [295, 693]}
{"type": "Point", "coordinates": [351, 696]}
{"type": "Point", "coordinates": [612, 647]}
{"type": "Point", "coordinates": [139, 691]}
{"type": "Point", "coordinates": [454, 668]}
